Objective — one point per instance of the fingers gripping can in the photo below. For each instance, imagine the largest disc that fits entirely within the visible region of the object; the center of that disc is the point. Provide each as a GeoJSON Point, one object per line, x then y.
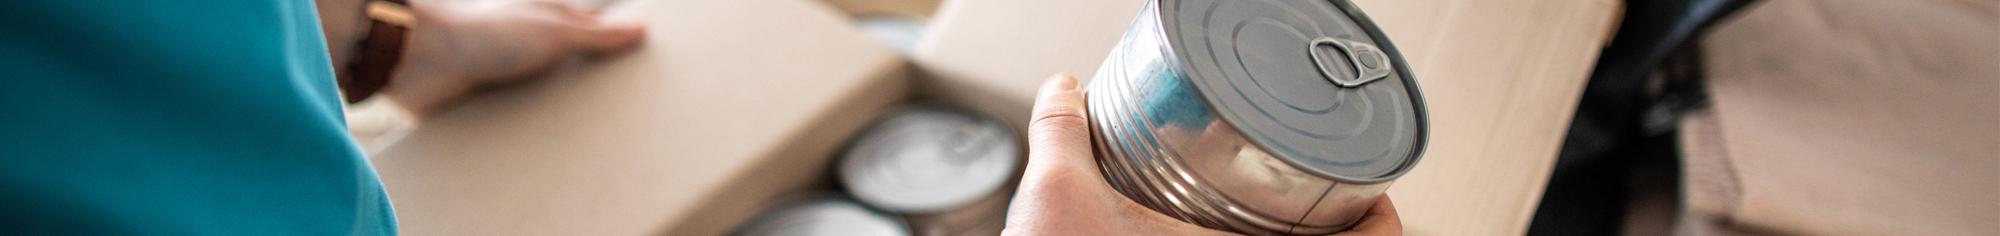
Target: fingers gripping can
{"type": "Point", "coordinates": [1256, 116]}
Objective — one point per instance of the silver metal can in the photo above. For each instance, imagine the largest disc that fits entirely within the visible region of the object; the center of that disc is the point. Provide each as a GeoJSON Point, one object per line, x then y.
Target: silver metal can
{"type": "Point", "coordinates": [1256, 116]}
{"type": "Point", "coordinates": [821, 214]}
{"type": "Point", "coordinates": [947, 170]}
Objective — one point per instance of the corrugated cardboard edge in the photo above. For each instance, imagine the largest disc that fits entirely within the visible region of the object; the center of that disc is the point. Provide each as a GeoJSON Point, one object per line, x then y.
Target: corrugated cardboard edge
{"type": "Point", "coordinates": [1503, 143]}
{"type": "Point", "coordinates": [1000, 84]}
{"type": "Point", "coordinates": [804, 162]}
{"type": "Point", "coordinates": [913, 9]}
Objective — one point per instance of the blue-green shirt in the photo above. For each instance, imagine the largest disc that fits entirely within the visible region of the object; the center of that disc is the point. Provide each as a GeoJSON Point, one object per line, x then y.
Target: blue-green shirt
{"type": "Point", "coordinates": [177, 118]}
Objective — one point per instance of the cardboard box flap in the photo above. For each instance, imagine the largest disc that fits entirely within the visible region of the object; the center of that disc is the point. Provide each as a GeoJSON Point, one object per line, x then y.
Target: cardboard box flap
{"type": "Point", "coordinates": [633, 144]}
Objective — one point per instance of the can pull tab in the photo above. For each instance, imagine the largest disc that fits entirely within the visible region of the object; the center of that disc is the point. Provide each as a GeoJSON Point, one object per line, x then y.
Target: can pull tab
{"type": "Point", "coordinates": [1368, 62]}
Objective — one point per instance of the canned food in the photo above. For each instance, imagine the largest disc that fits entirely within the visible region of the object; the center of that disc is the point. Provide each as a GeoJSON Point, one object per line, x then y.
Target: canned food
{"type": "Point", "coordinates": [821, 215]}
{"type": "Point", "coordinates": [1259, 117]}
{"type": "Point", "coordinates": [898, 32]}
{"type": "Point", "coordinates": [985, 217]}
{"type": "Point", "coordinates": [946, 169]}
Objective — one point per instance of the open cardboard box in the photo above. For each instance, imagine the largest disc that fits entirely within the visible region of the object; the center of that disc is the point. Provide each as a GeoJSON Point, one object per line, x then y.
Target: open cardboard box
{"type": "Point", "coordinates": [735, 103]}
{"type": "Point", "coordinates": [729, 104]}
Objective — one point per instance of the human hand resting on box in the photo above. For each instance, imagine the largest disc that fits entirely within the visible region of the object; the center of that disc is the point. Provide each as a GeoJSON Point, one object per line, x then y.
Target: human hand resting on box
{"type": "Point", "coordinates": [458, 46]}
{"type": "Point", "coordinates": [1062, 192]}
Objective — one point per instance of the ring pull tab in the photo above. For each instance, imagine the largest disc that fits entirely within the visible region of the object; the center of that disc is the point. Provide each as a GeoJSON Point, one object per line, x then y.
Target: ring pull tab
{"type": "Point", "coordinates": [1368, 62]}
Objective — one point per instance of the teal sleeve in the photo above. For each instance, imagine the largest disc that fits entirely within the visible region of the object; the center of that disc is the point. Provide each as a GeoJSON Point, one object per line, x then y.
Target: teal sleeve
{"type": "Point", "coordinates": [176, 118]}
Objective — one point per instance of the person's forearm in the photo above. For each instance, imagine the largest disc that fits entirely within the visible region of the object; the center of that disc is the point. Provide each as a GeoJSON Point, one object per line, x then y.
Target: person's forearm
{"type": "Point", "coordinates": [343, 22]}
{"type": "Point", "coordinates": [371, 123]}
{"type": "Point", "coordinates": [451, 49]}
{"type": "Point", "coordinates": [425, 83]}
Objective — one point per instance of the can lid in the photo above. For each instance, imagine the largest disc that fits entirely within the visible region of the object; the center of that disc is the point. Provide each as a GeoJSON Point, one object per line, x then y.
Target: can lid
{"type": "Point", "coordinates": [1314, 83]}
{"type": "Point", "coordinates": [926, 159]}
{"type": "Point", "coordinates": [822, 216]}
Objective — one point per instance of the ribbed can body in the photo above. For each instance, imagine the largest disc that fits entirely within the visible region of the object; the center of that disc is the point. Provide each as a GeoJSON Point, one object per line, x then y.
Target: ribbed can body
{"type": "Point", "coordinates": [1161, 144]}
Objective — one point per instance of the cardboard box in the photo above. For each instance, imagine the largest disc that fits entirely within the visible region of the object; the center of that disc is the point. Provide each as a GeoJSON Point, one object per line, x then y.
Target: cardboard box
{"type": "Point", "coordinates": [1501, 77]}
{"type": "Point", "coordinates": [733, 103]}
{"type": "Point", "coordinates": [729, 104]}
{"type": "Point", "coordinates": [1883, 124]}
{"type": "Point", "coordinates": [912, 9]}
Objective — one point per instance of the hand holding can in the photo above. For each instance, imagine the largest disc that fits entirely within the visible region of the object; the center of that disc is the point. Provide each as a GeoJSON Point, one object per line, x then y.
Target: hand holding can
{"type": "Point", "coordinates": [1063, 192]}
{"type": "Point", "coordinates": [1256, 117]}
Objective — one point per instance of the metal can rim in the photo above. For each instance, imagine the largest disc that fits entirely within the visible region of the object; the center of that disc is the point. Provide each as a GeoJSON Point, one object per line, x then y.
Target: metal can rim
{"type": "Point", "coordinates": [1366, 24]}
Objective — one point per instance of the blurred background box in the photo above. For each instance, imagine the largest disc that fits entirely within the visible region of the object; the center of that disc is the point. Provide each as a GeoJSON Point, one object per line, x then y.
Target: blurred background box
{"type": "Point", "coordinates": [729, 104]}
{"type": "Point", "coordinates": [1501, 79]}
{"type": "Point", "coordinates": [1848, 117]}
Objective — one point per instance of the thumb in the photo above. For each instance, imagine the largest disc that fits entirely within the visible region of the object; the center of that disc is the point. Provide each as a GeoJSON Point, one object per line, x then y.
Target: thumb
{"type": "Point", "coordinates": [597, 37]}
{"type": "Point", "coordinates": [1058, 134]}
{"type": "Point", "coordinates": [1060, 189]}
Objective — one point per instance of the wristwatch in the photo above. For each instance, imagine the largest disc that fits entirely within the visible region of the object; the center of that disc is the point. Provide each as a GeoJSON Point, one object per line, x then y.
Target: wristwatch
{"type": "Point", "coordinates": [375, 58]}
